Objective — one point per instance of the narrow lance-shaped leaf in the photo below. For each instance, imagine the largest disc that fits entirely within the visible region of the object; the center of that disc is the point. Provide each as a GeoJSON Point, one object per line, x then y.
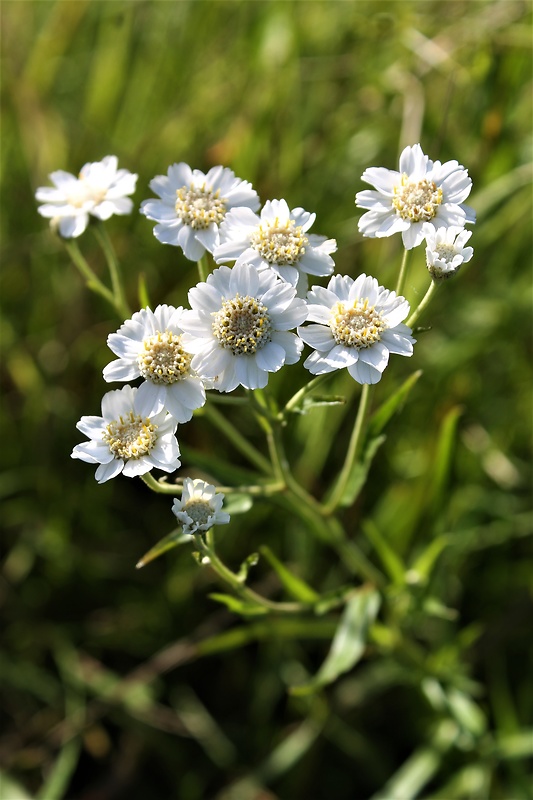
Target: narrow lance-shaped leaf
{"type": "Point", "coordinates": [392, 404]}
{"type": "Point", "coordinates": [175, 538]}
{"type": "Point", "coordinates": [348, 643]}
{"type": "Point", "coordinates": [242, 607]}
{"type": "Point", "coordinates": [360, 471]}
{"type": "Point", "coordinates": [295, 586]}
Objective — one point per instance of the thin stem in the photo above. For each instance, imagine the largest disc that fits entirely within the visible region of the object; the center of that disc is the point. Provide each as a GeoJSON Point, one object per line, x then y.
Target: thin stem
{"type": "Point", "coordinates": [203, 268]}
{"type": "Point", "coordinates": [352, 452]}
{"type": "Point", "coordinates": [424, 303]}
{"type": "Point", "coordinates": [208, 548]}
{"type": "Point", "coordinates": [256, 489]}
{"type": "Point", "coordinates": [403, 272]}
{"type": "Point", "coordinates": [93, 282]}
{"type": "Point", "coordinates": [239, 441]}
{"type": "Point", "coordinates": [121, 304]}
{"type": "Point", "coordinates": [299, 396]}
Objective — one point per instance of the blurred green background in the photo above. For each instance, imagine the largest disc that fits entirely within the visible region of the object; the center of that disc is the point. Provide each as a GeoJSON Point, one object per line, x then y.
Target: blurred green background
{"type": "Point", "coordinates": [117, 683]}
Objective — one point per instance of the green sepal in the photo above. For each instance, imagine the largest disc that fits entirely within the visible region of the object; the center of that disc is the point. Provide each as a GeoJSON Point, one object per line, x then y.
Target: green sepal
{"type": "Point", "coordinates": [242, 607]}
{"type": "Point", "coordinates": [349, 642]}
{"type": "Point", "coordinates": [175, 538]}
{"type": "Point", "coordinates": [360, 471]}
{"type": "Point", "coordinates": [295, 586]}
{"type": "Point", "coordinates": [394, 403]}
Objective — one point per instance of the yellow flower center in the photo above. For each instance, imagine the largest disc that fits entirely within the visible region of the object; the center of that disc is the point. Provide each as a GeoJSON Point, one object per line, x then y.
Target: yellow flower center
{"type": "Point", "coordinates": [242, 325]}
{"type": "Point", "coordinates": [199, 207]}
{"type": "Point", "coordinates": [359, 325]}
{"type": "Point", "coordinates": [130, 436]}
{"type": "Point", "coordinates": [281, 243]}
{"type": "Point", "coordinates": [163, 359]}
{"type": "Point", "coordinates": [417, 201]}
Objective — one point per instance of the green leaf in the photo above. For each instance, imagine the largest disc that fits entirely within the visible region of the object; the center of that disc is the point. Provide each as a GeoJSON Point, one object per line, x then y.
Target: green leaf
{"type": "Point", "coordinates": [248, 562]}
{"type": "Point", "coordinates": [295, 586]}
{"type": "Point", "coordinates": [423, 566]}
{"type": "Point", "coordinates": [349, 642]}
{"type": "Point", "coordinates": [242, 607]}
{"type": "Point", "coordinates": [142, 291]}
{"type": "Point", "coordinates": [360, 471]}
{"type": "Point", "coordinates": [467, 713]}
{"type": "Point", "coordinates": [333, 599]}
{"type": "Point", "coordinates": [308, 403]}
{"type": "Point", "coordinates": [175, 538]}
{"type": "Point", "coordinates": [392, 562]}
{"type": "Point", "coordinates": [443, 458]}
{"type": "Point", "coordinates": [237, 503]}
{"type": "Point", "coordinates": [395, 403]}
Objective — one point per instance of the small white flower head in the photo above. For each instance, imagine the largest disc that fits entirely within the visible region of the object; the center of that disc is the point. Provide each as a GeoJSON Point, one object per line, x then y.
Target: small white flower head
{"type": "Point", "coordinates": [239, 326]}
{"type": "Point", "coordinates": [149, 345]}
{"type": "Point", "coordinates": [125, 440]}
{"type": "Point", "coordinates": [192, 206]}
{"type": "Point", "coordinates": [359, 325]}
{"type": "Point", "coordinates": [277, 240]}
{"type": "Point", "coordinates": [200, 507]}
{"type": "Point", "coordinates": [100, 190]}
{"type": "Point", "coordinates": [423, 191]}
{"type": "Point", "coordinates": [446, 251]}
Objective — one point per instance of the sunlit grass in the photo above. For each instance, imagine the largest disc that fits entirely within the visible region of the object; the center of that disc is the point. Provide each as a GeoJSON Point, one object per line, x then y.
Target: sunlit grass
{"type": "Point", "coordinates": [298, 98]}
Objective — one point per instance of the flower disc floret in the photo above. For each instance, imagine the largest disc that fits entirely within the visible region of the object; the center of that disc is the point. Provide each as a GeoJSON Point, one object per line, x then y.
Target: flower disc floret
{"type": "Point", "coordinates": [100, 190]}
{"type": "Point", "coordinates": [358, 325]}
{"type": "Point", "coordinates": [150, 345]}
{"type": "Point", "coordinates": [132, 436]}
{"type": "Point", "coordinates": [282, 243]}
{"type": "Point", "coordinates": [199, 207]}
{"type": "Point", "coordinates": [242, 325]}
{"type": "Point", "coordinates": [200, 507]}
{"type": "Point", "coordinates": [191, 206]}
{"type": "Point", "coordinates": [422, 192]}
{"type": "Point", "coordinates": [238, 327]}
{"type": "Point", "coordinates": [446, 251]}
{"type": "Point", "coordinates": [417, 201]}
{"type": "Point", "coordinates": [163, 360]}
{"type": "Point", "coordinates": [126, 440]}
{"type": "Point", "coordinates": [277, 240]}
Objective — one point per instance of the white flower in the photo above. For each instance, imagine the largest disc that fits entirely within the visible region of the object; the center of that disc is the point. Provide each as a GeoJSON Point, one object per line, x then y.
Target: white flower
{"type": "Point", "coordinates": [359, 325]}
{"type": "Point", "coordinates": [276, 240]}
{"type": "Point", "coordinates": [149, 345]}
{"type": "Point", "coordinates": [124, 440]}
{"type": "Point", "coordinates": [446, 251]}
{"type": "Point", "coordinates": [200, 507]}
{"type": "Point", "coordinates": [193, 205]}
{"type": "Point", "coordinates": [423, 191]}
{"type": "Point", "coordinates": [238, 327]}
{"type": "Point", "coordinates": [100, 190]}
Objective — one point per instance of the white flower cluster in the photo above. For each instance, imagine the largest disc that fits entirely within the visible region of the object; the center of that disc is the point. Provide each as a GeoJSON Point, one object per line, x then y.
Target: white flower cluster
{"type": "Point", "coordinates": [246, 321]}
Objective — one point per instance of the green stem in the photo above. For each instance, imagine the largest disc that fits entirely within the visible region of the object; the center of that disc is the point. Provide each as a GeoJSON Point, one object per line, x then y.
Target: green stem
{"type": "Point", "coordinates": [203, 268]}
{"type": "Point", "coordinates": [403, 272]}
{"type": "Point", "coordinates": [299, 396]}
{"type": "Point", "coordinates": [239, 441]}
{"type": "Point", "coordinates": [424, 303]}
{"type": "Point", "coordinates": [93, 282]}
{"type": "Point", "coordinates": [256, 489]}
{"type": "Point", "coordinates": [351, 454]}
{"type": "Point", "coordinates": [121, 304]}
{"type": "Point", "coordinates": [208, 548]}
